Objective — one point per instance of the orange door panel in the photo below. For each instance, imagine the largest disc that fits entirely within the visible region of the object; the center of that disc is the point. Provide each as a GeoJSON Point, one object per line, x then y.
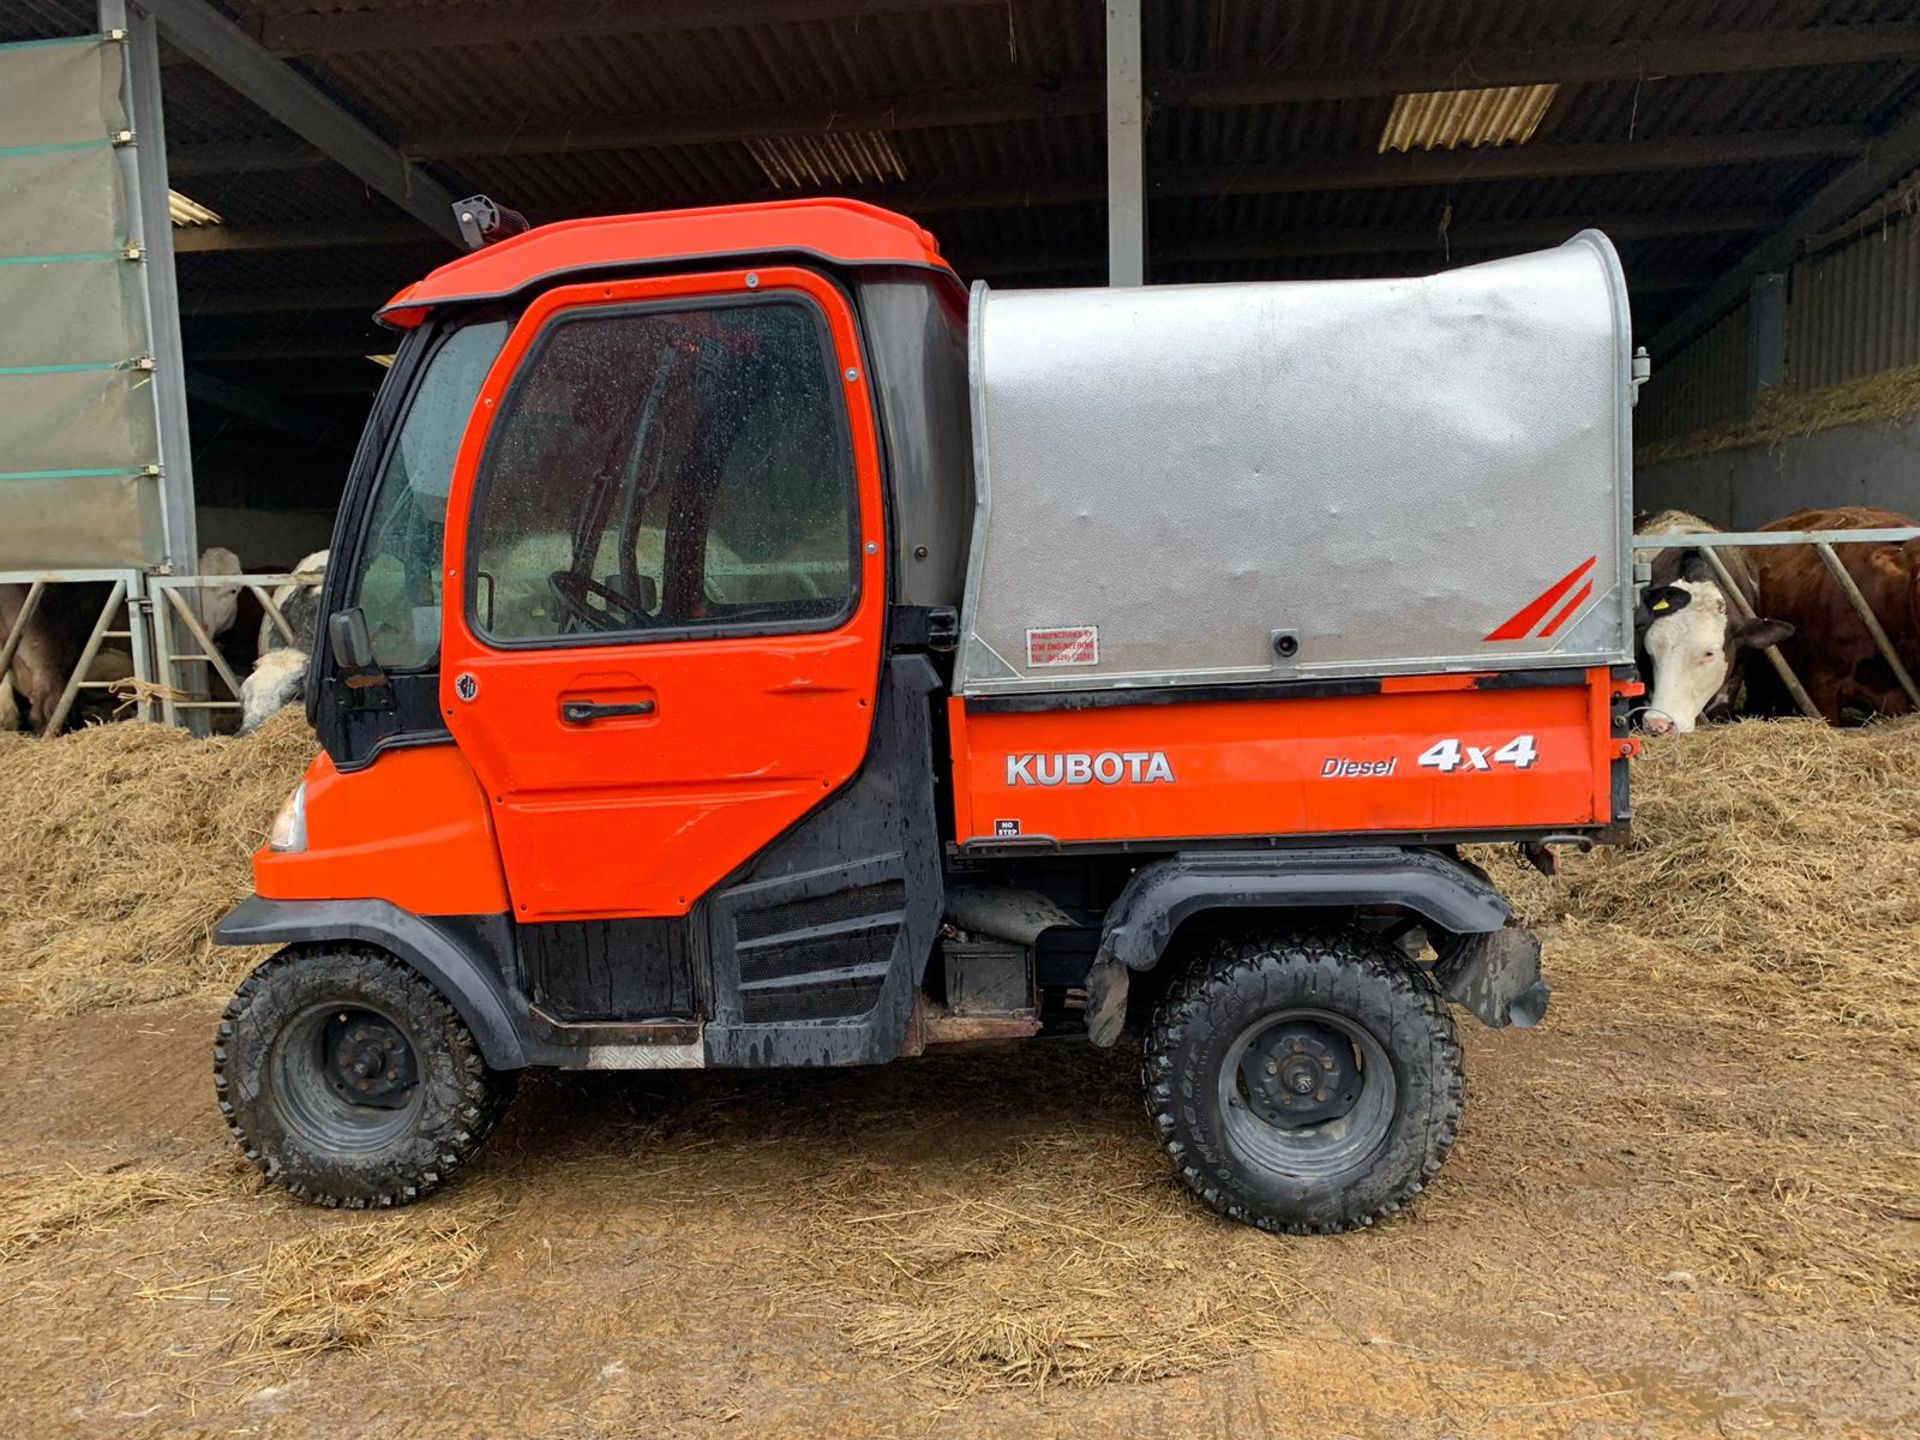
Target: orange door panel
{"type": "Point", "coordinates": [1425, 754]}
{"type": "Point", "coordinates": [703, 748]}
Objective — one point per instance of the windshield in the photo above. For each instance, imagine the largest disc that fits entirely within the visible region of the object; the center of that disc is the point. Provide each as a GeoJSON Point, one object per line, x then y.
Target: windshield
{"type": "Point", "coordinates": [397, 586]}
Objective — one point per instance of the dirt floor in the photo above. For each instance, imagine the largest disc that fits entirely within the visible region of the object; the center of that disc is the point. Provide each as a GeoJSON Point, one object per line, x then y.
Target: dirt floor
{"type": "Point", "coordinates": [1689, 1204]}
{"type": "Point", "coordinates": [650, 1258]}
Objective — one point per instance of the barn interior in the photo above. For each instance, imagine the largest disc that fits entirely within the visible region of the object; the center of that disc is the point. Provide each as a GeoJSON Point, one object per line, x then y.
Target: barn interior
{"type": "Point", "coordinates": [1750, 160]}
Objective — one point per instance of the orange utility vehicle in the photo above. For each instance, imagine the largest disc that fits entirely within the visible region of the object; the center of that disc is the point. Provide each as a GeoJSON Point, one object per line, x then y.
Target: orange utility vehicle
{"type": "Point", "coordinates": [745, 647]}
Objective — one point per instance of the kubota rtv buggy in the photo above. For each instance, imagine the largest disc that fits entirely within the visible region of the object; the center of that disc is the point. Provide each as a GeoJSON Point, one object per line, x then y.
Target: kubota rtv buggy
{"type": "Point", "coordinates": [744, 647]}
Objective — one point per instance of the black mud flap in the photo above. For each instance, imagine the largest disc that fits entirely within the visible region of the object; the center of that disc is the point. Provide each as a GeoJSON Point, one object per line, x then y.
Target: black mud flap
{"type": "Point", "coordinates": [1496, 976]}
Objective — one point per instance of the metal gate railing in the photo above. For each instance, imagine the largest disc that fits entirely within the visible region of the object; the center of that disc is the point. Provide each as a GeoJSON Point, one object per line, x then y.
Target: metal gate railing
{"type": "Point", "coordinates": [185, 675]}
{"type": "Point", "coordinates": [1822, 542]}
{"type": "Point", "coordinates": [125, 596]}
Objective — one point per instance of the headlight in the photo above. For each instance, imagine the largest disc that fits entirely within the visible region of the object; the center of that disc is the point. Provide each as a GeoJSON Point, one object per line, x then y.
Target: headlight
{"type": "Point", "coordinates": [289, 831]}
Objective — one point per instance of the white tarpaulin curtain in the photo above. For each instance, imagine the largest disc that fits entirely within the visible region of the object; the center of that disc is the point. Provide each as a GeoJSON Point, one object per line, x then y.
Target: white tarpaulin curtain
{"type": "Point", "coordinates": [79, 449]}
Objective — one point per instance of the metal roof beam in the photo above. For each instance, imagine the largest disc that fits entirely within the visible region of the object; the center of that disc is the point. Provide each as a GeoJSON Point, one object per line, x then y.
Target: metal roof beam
{"type": "Point", "coordinates": [1711, 54]}
{"type": "Point", "coordinates": [1884, 163]}
{"type": "Point", "coordinates": [1332, 173]}
{"type": "Point", "coordinates": [989, 105]}
{"type": "Point", "coordinates": [1468, 235]}
{"type": "Point", "coordinates": [215, 239]}
{"type": "Point", "coordinates": [282, 302]}
{"type": "Point", "coordinates": [505, 24]}
{"type": "Point", "coordinates": [1522, 162]}
{"type": "Point", "coordinates": [215, 43]}
{"type": "Point", "coordinates": [1628, 60]}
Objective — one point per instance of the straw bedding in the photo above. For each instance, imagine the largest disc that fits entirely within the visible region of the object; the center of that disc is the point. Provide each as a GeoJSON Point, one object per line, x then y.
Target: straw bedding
{"type": "Point", "coordinates": [1734, 1028]}
{"type": "Point", "coordinates": [121, 845]}
{"type": "Point", "coordinates": [1774, 874]}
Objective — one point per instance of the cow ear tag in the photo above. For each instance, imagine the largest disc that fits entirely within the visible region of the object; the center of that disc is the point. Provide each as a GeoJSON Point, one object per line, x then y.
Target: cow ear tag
{"type": "Point", "coordinates": [1662, 605]}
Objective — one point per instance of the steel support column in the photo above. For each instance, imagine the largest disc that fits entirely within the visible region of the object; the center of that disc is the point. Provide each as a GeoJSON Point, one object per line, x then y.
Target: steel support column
{"type": "Point", "coordinates": [1126, 136]}
{"type": "Point", "coordinates": [143, 170]}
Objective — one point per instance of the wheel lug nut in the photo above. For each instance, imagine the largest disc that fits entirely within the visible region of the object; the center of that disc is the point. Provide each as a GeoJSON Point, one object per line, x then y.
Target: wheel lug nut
{"type": "Point", "coordinates": [1273, 1067]}
{"type": "Point", "coordinates": [1327, 1063]}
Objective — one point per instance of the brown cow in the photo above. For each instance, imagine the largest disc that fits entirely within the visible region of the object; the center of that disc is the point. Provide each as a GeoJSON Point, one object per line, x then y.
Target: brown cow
{"type": "Point", "coordinates": [51, 645]}
{"type": "Point", "coordinates": [1832, 652]}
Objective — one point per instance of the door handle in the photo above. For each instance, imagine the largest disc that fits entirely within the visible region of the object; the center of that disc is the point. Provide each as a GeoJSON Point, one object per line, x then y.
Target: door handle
{"type": "Point", "coordinates": [583, 712]}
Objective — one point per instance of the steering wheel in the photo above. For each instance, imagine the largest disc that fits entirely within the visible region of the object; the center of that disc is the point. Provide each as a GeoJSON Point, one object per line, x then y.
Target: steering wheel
{"type": "Point", "coordinates": [570, 591]}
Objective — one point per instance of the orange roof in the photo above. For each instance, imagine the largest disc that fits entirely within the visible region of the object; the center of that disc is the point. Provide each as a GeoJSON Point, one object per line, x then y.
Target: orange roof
{"type": "Point", "coordinates": [847, 231]}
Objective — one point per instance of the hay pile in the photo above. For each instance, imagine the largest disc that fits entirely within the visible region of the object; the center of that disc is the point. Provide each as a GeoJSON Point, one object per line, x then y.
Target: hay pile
{"type": "Point", "coordinates": [1784, 413]}
{"type": "Point", "coordinates": [121, 846]}
{"type": "Point", "coordinates": [1773, 871]}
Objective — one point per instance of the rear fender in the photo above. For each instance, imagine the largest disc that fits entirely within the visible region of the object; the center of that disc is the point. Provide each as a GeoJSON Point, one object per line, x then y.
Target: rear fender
{"type": "Point", "coordinates": [460, 955]}
{"type": "Point", "coordinates": [1160, 897]}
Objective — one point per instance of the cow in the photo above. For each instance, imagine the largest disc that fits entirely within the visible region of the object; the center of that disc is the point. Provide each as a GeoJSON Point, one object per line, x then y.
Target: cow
{"type": "Point", "coordinates": [1690, 641]}
{"type": "Point", "coordinates": [1694, 640]}
{"type": "Point", "coordinates": [279, 675]}
{"type": "Point", "coordinates": [57, 635]}
{"type": "Point", "coordinates": [1834, 654]}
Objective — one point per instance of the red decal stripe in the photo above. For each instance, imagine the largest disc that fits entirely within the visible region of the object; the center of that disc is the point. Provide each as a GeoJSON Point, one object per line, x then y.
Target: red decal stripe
{"type": "Point", "coordinates": [1574, 602]}
{"type": "Point", "coordinates": [1521, 623]}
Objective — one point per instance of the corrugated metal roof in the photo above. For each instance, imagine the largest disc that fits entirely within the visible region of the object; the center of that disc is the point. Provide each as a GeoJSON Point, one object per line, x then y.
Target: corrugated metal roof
{"type": "Point", "coordinates": [983, 119]}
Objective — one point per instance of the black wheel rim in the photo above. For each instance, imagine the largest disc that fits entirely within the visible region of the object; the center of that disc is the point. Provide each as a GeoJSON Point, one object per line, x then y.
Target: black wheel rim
{"type": "Point", "coordinates": [345, 1078]}
{"type": "Point", "coordinates": [1306, 1094]}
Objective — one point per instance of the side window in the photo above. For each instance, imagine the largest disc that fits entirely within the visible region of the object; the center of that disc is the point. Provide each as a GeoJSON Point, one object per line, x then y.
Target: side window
{"type": "Point", "coordinates": [668, 468]}
{"type": "Point", "coordinates": [397, 584]}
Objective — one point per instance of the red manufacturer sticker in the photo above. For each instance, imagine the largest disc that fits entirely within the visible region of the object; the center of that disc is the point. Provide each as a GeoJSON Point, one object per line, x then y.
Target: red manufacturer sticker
{"type": "Point", "coordinates": [1063, 645]}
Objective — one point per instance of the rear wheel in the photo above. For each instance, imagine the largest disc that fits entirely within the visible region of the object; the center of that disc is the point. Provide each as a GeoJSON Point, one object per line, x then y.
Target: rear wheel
{"type": "Point", "coordinates": [1305, 1082]}
{"type": "Point", "coordinates": [350, 1080]}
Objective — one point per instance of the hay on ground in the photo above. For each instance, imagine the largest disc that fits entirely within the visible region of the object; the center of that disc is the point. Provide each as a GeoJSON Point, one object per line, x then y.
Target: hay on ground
{"type": "Point", "coordinates": [49, 1205]}
{"type": "Point", "coordinates": [1079, 1261]}
{"type": "Point", "coordinates": [344, 1285]}
{"type": "Point", "coordinates": [122, 845]}
{"type": "Point", "coordinates": [1768, 908]}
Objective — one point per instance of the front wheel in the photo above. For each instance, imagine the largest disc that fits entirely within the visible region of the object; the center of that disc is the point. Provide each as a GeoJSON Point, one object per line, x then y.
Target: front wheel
{"type": "Point", "coordinates": [350, 1080]}
{"type": "Point", "coordinates": [1305, 1082]}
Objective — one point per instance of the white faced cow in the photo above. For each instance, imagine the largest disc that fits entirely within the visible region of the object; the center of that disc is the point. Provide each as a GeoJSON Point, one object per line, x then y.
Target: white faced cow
{"type": "Point", "coordinates": [279, 676]}
{"type": "Point", "coordinates": [1691, 640]}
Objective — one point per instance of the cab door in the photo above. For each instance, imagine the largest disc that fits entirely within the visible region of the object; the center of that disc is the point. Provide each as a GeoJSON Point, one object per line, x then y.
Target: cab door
{"type": "Point", "coordinates": [665, 531]}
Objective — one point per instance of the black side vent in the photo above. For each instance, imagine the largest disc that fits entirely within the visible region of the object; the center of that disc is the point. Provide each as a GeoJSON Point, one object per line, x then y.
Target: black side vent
{"type": "Point", "coordinates": [818, 959]}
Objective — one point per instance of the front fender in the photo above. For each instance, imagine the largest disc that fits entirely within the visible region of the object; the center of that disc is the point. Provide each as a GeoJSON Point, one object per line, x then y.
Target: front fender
{"type": "Point", "coordinates": [460, 955]}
